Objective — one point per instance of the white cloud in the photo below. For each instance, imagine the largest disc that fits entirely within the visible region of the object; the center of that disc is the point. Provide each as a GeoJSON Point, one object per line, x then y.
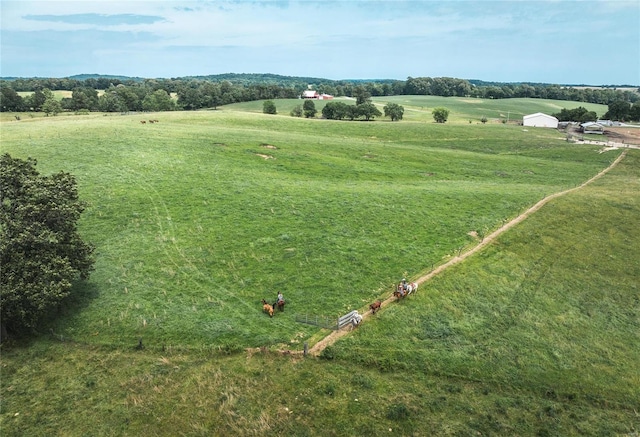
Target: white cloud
{"type": "Point", "coordinates": [349, 38]}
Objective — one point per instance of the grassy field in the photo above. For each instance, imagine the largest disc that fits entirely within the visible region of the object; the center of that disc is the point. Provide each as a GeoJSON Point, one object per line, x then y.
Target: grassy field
{"type": "Point", "coordinates": [198, 217]}
{"type": "Point", "coordinates": [462, 110]}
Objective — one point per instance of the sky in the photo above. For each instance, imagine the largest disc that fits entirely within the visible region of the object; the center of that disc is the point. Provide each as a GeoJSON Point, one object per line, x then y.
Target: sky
{"type": "Point", "coordinates": [546, 41]}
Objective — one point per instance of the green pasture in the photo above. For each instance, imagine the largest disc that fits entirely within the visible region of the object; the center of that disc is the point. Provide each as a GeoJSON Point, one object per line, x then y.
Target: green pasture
{"type": "Point", "coordinates": [58, 94]}
{"type": "Point", "coordinates": [199, 216]}
{"type": "Point", "coordinates": [462, 109]}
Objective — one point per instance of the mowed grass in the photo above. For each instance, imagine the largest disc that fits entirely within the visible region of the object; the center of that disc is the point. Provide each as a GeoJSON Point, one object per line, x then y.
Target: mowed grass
{"type": "Point", "coordinates": [200, 216]}
{"type": "Point", "coordinates": [535, 335]}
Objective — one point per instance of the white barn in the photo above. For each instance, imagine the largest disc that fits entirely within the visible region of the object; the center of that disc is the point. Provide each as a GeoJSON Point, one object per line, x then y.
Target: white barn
{"type": "Point", "coordinates": [540, 120]}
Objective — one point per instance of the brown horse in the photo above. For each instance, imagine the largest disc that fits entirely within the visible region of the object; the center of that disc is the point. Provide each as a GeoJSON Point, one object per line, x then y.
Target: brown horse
{"type": "Point", "coordinates": [400, 292]}
{"type": "Point", "coordinates": [279, 304]}
{"type": "Point", "coordinates": [375, 306]}
{"type": "Point", "coordinates": [267, 308]}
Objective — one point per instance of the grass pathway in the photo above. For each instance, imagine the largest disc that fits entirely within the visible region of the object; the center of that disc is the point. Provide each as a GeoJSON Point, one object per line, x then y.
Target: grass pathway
{"type": "Point", "coordinates": [335, 335]}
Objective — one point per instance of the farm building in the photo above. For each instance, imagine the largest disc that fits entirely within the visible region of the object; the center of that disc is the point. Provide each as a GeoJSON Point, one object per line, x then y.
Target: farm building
{"type": "Point", "coordinates": [592, 128]}
{"type": "Point", "coordinates": [311, 94]}
{"type": "Point", "coordinates": [540, 120]}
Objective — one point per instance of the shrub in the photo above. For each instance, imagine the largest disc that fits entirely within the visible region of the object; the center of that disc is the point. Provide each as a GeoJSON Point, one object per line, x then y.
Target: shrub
{"type": "Point", "coordinates": [309, 109]}
{"type": "Point", "coordinates": [297, 111]}
{"type": "Point", "coordinates": [268, 107]}
{"type": "Point", "coordinates": [440, 115]}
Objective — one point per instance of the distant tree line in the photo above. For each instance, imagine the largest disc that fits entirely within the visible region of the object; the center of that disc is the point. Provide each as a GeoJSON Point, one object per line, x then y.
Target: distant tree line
{"type": "Point", "coordinates": [118, 94]}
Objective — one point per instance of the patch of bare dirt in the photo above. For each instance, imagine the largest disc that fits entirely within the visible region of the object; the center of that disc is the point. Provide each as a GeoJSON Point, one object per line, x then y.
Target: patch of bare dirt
{"type": "Point", "coordinates": [626, 135]}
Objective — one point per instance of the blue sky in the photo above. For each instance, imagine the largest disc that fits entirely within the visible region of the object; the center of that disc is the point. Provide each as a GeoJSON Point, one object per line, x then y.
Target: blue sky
{"type": "Point", "coordinates": [554, 41]}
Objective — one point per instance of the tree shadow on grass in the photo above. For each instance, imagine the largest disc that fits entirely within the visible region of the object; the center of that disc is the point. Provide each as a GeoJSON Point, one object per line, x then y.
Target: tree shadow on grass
{"type": "Point", "coordinates": [81, 295]}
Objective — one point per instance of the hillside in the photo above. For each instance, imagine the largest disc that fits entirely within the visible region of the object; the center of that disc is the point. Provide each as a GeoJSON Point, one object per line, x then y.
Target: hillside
{"type": "Point", "coordinates": [200, 215]}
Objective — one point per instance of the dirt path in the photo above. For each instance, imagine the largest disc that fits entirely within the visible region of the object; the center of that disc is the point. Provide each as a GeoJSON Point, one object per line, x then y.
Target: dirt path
{"type": "Point", "coordinates": [335, 335]}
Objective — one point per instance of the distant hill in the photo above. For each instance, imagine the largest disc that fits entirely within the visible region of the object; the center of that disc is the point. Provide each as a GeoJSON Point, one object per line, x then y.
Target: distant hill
{"type": "Point", "coordinates": [105, 76]}
{"type": "Point", "coordinates": [282, 80]}
{"type": "Point", "coordinates": [277, 79]}
{"type": "Point", "coordinates": [477, 82]}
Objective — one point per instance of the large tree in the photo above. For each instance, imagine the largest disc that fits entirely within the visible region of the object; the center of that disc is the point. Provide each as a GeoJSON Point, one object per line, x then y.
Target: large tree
{"type": "Point", "coordinates": [268, 107]}
{"type": "Point", "coordinates": [618, 110]}
{"type": "Point", "coordinates": [440, 115]}
{"type": "Point", "coordinates": [41, 252]}
{"type": "Point", "coordinates": [394, 111]}
{"type": "Point", "coordinates": [362, 95]}
{"type": "Point", "coordinates": [159, 100]}
{"type": "Point", "coordinates": [368, 110]}
{"type": "Point", "coordinates": [309, 109]}
{"type": "Point", "coordinates": [335, 110]}
{"type": "Point", "coordinates": [10, 100]}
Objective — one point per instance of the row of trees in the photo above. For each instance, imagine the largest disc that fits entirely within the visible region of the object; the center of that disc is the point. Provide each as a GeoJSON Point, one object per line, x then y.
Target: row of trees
{"type": "Point", "coordinates": [211, 91]}
{"type": "Point", "coordinates": [618, 110]}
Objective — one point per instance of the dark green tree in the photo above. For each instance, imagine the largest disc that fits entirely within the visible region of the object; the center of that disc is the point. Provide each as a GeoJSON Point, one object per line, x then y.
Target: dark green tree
{"type": "Point", "coordinates": [440, 115]}
{"type": "Point", "coordinates": [268, 107]}
{"type": "Point", "coordinates": [368, 110]}
{"type": "Point", "coordinates": [51, 106]}
{"type": "Point", "coordinates": [309, 109]}
{"type": "Point", "coordinates": [190, 98]}
{"type": "Point", "coordinates": [296, 111]}
{"type": "Point", "coordinates": [335, 110]}
{"type": "Point", "coordinates": [41, 252]}
{"type": "Point", "coordinates": [362, 95]}
{"type": "Point", "coordinates": [393, 111]}
{"type": "Point", "coordinates": [111, 102]}
{"type": "Point", "coordinates": [579, 114]}
{"type": "Point", "coordinates": [129, 97]}
{"type": "Point", "coordinates": [634, 113]}
{"type": "Point", "coordinates": [159, 100]}
{"type": "Point", "coordinates": [10, 100]}
{"type": "Point", "coordinates": [37, 100]}
{"type": "Point", "coordinates": [618, 110]}
{"type": "Point", "coordinates": [85, 98]}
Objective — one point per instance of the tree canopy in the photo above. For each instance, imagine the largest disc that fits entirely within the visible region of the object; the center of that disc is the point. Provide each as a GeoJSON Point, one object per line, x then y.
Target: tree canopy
{"type": "Point", "coordinates": [368, 110]}
{"type": "Point", "coordinates": [268, 107]}
{"type": "Point", "coordinates": [618, 110]}
{"type": "Point", "coordinates": [394, 111]}
{"type": "Point", "coordinates": [309, 109]}
{"type": "Point", "coordinates": [41, 252]}
{"type": "Point", "coordinates": [440, 115]}
{"type": "Point", "coordinates": [578, 114]}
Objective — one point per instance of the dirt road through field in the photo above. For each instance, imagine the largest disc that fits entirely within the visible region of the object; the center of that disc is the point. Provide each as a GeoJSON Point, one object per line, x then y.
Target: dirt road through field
{"type": "Point", "coordinates": [335, 335]}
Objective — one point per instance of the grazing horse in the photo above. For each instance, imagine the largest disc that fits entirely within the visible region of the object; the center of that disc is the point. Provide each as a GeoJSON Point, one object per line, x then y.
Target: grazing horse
{"type": "Point", "coordinates": [375, 306]}
{"type": "Point", "coordinates": [267, 308]}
